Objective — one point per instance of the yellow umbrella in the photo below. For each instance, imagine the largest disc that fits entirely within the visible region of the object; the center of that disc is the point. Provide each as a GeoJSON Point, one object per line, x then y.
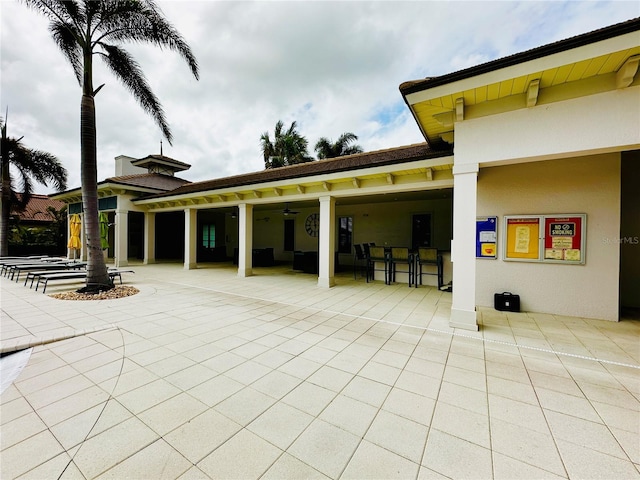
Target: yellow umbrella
{"type": "Point", "coordinates": [74, 231]}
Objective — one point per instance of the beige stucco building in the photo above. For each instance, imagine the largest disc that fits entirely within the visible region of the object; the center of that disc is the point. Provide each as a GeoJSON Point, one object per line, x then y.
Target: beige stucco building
{"type": "Point", "coordinates": [544, 143]}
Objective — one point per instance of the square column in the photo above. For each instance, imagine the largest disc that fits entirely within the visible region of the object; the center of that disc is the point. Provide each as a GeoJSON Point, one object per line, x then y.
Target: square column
{"type": "Point", "coordinates": [121, 252]}
{"type": "Point", "coordinates": [327, 242]}
{"type": "Point", "coordinates": [190, 237]}
{"type": "Point", "coordinates": [463, 247]}
{"type": "Point", "coordinates": [149, 238]}
{"type": "Point", "coordinates": [245, 240]}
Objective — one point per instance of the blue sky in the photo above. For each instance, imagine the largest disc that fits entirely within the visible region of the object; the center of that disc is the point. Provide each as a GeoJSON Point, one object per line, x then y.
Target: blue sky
{"type": "Point", "coordinates": [333, 67]}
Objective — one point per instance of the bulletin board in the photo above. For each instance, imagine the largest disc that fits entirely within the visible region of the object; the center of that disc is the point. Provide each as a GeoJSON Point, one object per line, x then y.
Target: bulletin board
{"type": "Point", "coordinates": [487, 237]}
{"type": "Point", "coordinates": [545, 238]}
{"type": "Point", "coordinates": [563, 240]}
{"type": "Point", "coordinates": [523, 238]}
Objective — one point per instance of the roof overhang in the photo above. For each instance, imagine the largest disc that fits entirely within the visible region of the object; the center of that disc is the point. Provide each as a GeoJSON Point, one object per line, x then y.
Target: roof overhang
{"type": "Point", "coordinates": [597, 62]}
{"type": "Point", "coordinates": [105, 189]}
{"type": "Point", "coordinates": [434, 173]}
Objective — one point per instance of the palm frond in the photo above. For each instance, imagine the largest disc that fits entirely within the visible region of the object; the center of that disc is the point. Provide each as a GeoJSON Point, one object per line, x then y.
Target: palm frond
{"type": "Point", "coordinates": [142, 22]}
{"type": "Point", "coordinates": [128, 71]}
{"type": "Point", "coordinates": [67, 39]}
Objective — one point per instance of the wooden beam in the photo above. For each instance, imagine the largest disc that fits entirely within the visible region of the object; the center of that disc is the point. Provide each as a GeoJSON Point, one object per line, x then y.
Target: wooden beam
{"type": "Point", "coordinates": [459, 109]}
{"type": "Point", "coordinates": [429, 173]}
{"type": "Point", "coordinates": [627, 72]}
{"type": "Point", "coordinates": [355, 182]}
{"type": "Point", "coordinates": [326, 186]}
{"type": "Point", "coordinates": [301, 189]}
{"type": "Point", "coordinates": [532, 92]}
{"type": "Point", "coordinates": [390, 179]}
{"type": "Point", "coordinates": [277, 191]}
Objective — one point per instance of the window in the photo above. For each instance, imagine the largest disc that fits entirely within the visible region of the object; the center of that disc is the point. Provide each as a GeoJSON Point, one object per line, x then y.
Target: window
{"type": "Point", "coordinates": [209, 236]}
{"type": "Point", "coordinates": [345, 234]}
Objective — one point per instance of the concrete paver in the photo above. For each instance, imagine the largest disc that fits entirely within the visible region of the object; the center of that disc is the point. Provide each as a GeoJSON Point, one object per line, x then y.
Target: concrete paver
{"type": "Point", "coordinates": [204, 374]}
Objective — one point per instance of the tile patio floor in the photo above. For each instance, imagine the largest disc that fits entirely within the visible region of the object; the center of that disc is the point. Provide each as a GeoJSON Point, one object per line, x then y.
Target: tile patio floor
{"type": "Point", "coordinates": [207, 375]}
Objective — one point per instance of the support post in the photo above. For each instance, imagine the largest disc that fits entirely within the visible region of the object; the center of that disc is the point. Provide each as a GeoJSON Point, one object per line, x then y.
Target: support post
{"type": "Point", "coordinates": [190, 238]}
{"type": "Point", "coordinates": [326, 242]}
{"type": "Point", "coordinates": [121, 251]}
{"type": "Point", "coordinates": [463, 247]}
{"type": "Point", "coordinates": [245, 240]}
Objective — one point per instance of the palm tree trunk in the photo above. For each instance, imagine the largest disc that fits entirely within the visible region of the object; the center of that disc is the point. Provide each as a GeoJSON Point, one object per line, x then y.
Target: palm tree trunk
{"type": "Point", "coordinates": [97, 275]}
{"type": "Point", "coordinates": [6, 204]}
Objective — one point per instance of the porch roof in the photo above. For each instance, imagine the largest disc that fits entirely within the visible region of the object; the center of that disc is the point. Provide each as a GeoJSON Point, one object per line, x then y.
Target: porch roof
{"type": "Point", "coordinates": [346, 163]}
{"type": "Point", "coordinates": [597, 61]}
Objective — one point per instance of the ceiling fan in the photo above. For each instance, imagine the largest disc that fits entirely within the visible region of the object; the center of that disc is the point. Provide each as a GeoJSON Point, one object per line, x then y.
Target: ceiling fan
{"type": "Point", "coordinates": [288, 211]}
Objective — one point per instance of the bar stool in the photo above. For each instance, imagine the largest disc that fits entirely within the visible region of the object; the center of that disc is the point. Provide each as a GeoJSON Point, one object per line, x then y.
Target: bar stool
{"type": "Point", "coordinates": [359, 261]}
{"type": "Point", "coordinates": [401, 256]}
{"type": "Point", "coordinates": [377, 255]}
{"type": "Point", "coordinates": [430, 258]}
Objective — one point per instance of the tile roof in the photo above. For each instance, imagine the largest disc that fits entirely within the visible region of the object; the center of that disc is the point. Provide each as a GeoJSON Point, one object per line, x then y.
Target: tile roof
{"type": "Point", "coordinates": [357, 161]}
{"type": "Point", "coordinates": [156, 181]}
{"type": "Point", "coordinates": [36, 209]}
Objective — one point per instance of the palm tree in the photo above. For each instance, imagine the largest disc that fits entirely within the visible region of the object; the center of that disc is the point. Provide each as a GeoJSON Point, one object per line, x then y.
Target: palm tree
{"type": "Point", "coordinates": [287, 148]}
{"type": "Point", "coordinates": [30, 164]}
{"type": "Point", "coordinates": [82, 29]}
{"type": "Point", "coordinates": [341, 147]}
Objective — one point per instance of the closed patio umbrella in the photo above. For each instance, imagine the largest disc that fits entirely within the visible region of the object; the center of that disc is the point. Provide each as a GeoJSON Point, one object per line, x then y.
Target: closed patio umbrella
{"type": "Point", "coordinates": [75, 225]}
{"type": "Point", "coordinates": [104, 230]}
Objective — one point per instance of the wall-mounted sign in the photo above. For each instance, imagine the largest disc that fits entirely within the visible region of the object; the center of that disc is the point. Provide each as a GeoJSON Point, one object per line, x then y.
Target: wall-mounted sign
{"type": "Point", "coordinates": [563, 239]}
{"type": "Point", "coordinates": [545, 238]}
{"type": "Point", "coordinates": [486, 237]}
{"type": "Point", "coordinates": [523, 238]}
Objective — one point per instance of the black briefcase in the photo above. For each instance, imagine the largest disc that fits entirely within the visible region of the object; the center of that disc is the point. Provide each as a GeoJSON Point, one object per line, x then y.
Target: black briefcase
{"type": "Point", "coordinates": [506, 302]}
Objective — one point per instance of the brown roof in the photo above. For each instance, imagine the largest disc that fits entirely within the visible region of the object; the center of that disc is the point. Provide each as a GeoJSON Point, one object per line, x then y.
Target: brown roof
{"type": "Point", "coordinates": [36, 209]}
{"type": "Point", "coordinates": [611, 31]}
{"type": "Point", "coordinates": [357, 161]}
{"type": "Point", "coordinates": [156, 181]}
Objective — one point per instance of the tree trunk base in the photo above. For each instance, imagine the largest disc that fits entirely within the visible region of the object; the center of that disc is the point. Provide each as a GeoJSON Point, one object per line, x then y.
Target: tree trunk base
{"type": "Point", "coordinates": [95, 288]}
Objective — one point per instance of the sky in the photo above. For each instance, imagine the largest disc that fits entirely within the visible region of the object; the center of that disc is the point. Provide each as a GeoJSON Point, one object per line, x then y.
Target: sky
{"type": "Point", "coordinates": [331, 66]}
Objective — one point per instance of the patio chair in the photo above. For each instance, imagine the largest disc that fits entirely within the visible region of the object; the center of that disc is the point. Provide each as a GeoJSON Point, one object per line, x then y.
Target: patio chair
{"type": "Point", "coordinates": [377, 255]}
{"type": "Point", "coordinates": [428, 257]}
{"type": "Point", "coordinates": [359, 261]}
{"type": "Point", "coordinates": [400, 256]}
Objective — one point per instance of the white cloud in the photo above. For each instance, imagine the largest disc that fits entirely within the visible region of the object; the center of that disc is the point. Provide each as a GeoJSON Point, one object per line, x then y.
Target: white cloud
{"type": "Point", "coordinates": [331, 66]}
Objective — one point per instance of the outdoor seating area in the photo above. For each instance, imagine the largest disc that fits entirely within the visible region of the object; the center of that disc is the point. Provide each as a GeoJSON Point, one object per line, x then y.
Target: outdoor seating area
{"type": "Point", "coordinates": [43, 270]}
{"type": "Point", "coordinates": [414, 264]}
{"type": "Point", "coordinates": [13, 267]}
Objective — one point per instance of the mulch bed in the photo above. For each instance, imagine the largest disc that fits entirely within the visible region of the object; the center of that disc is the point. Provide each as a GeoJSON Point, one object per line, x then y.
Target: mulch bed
{"type": "Point", "coordinates": [116, 292]}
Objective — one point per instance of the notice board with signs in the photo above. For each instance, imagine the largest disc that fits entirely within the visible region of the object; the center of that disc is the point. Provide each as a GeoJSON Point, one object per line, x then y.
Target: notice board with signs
{"type": "Point", "coordinates": [545, 238]}
{"type": "Point", "coordinates": [486, 237]}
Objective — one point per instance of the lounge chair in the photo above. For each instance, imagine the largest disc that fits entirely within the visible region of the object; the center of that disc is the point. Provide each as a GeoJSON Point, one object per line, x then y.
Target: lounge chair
{"type": "Point", "coordinates": [75, 275]}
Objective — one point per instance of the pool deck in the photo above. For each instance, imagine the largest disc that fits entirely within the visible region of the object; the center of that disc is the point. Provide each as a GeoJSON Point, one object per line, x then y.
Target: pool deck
{"type": "Point", "coordinates": [204, 374]}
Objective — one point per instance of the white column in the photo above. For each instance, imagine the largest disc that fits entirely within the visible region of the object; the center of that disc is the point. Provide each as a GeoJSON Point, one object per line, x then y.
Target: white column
{"type": "Point", "coordinates": [190, 238]}
{"type": "Point", "coordinates": [245, 240]}
{"type": "Point", "coordinates": [327, 242]}
{"type": "Point", "coordinates": [121, 252]}
{"type": "Point", "coordinates": [463, 247]}
{"type": "Point", "coordinates": [149, 238]}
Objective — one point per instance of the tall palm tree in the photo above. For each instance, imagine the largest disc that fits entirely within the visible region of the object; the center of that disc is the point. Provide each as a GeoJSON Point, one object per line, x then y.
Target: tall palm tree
{"type": "Point", "coordinates": [82, 29]}
{"type": "Point", "coordinates": [288, 147]}
{"type": "Point", "coordinates": [30, 164]}
{"type": "Point", "coordinates": [325, 149]}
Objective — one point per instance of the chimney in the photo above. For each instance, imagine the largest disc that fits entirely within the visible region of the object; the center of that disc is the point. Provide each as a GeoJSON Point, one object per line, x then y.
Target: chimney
{"type": "Point", "coordinates": [124, 167]}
